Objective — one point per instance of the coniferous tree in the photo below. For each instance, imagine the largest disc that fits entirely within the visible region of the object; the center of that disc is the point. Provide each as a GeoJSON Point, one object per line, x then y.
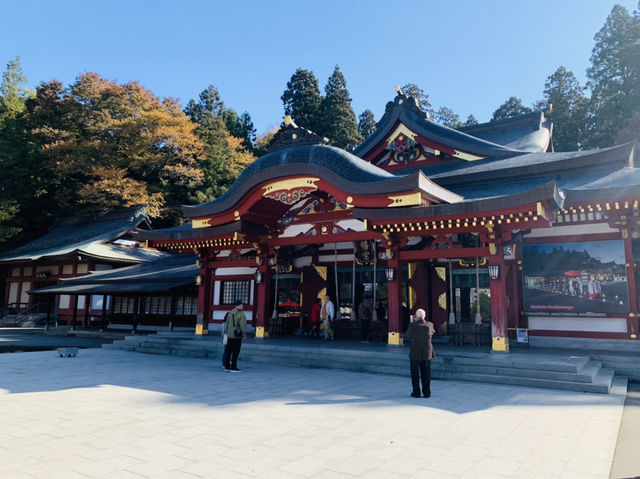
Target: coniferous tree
{"type": "Point", "coordinates": [338, 118]}
{"type": "Point", "coordinates": [566, 106]}
{"type": "Point", "coordinates": [366, 123]}
{"type": "Point", "coordinates": [445, 116]}
{"type": "Point", "coordinates": [471, 120]}
{"type": "Point", "coordinates": [413, 90]}
{"type": "Point", "coordinates": [224, 158]}
{"type": "Point", "coordinates": [240, 127]}
{"type": "Point", "coordinates": [614, 76]}
{"type": "Point", "coordinates": [15, 154]}
{"type": "Point", "coordinates": [510, 108]}
{"type": "Point", "coordinates": [302, 100]}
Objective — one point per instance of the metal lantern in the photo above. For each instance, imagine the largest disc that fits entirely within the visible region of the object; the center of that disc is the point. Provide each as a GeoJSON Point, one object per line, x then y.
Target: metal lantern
{"type": "Point", "coordinates": [391, 274]}
{"type": "Point", "coordinates": [494, 271]}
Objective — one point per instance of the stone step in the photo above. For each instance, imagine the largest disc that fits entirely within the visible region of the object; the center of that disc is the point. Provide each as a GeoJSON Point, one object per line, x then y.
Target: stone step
{"type": "Point", "coordinates": [584, 375]}
{"type": "Point", "coordinates": [601, 383]}
{"type": "Point", "coordinates": [571, 373]}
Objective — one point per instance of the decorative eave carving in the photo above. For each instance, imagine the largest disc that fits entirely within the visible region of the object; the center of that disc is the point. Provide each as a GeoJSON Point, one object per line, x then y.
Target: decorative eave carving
{"type": "Point", "coordinates": [291, 134]}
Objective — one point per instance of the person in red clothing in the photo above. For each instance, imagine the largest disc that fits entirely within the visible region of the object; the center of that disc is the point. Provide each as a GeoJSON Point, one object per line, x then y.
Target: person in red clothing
{"type": "Point", "coordinates": [315, 319]}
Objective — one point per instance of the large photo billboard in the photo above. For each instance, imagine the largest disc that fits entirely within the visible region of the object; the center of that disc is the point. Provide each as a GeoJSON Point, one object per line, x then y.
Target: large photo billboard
{"type": "Point", "coordinates": [574, 278]}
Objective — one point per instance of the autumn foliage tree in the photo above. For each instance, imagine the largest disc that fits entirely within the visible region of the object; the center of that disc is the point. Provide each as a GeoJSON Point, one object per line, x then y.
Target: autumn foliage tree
{"type": "Point", "coordinates": [107, 145]}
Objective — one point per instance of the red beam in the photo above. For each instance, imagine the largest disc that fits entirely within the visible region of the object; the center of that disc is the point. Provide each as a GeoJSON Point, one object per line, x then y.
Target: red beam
{"type": "Point", "coordinates": [321, 239]}
{"type": "Point", "coordinates": [444, 253]}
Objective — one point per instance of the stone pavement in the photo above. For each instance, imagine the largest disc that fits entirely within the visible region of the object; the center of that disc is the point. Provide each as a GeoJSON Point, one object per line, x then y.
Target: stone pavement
{"type": "Point", "coordinates": [626, 462]}
{"type": "Point", "coordinates": [116, 414]}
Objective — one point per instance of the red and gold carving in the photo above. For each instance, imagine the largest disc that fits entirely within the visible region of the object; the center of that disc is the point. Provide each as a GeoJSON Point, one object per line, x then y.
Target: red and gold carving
{"type": "Point", "coordinates": [290, 191]}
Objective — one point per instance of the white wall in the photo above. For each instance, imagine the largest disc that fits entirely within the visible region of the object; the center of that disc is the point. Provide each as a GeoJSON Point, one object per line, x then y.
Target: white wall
{"type": "Point", "coordinates": [581, 323]}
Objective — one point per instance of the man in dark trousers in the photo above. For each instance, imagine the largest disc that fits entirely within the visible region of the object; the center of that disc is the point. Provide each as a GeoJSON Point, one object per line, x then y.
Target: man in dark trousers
{"type": "Point", "coordinates": [364, 314]}
{"type": "Point", "coordinates": [236, 329]}
{"type": "Point", "coordinates": [421, 353]}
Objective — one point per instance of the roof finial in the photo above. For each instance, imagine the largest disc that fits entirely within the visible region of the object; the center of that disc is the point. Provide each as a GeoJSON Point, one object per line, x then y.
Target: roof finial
{"type": "Point", "coordinates": [399, 90]}
{"type": "Point", "coordinates": [288, 120]}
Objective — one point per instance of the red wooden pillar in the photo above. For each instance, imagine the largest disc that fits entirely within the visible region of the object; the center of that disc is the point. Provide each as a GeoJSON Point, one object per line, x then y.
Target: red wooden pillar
{"type": "Point", "coordinates": [394, 289]}
{"type": "Point", "coordinates": [632, 317]}
{"type": "Point", "coordinates": [499, 317]}
{"type": "Point", "coordinates": [263, 292]}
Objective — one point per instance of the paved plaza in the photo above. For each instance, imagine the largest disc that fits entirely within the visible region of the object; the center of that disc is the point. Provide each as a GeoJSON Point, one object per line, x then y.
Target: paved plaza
{"type": "Point", "coordinates": [116, 414]}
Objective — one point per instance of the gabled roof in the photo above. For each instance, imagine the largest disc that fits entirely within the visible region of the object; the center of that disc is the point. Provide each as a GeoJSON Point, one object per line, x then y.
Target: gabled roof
{"type": "Point", "coordinates": [88, 237]}
{"type": "Point", "coordinates": [338, 167]}
{"type": "Point", "coordinates": [530, 132]}
{"type": "Point", "coordinates": [161, 275]}
{"type": "Point", "coordinates": [529, 165]}
{"type": "Point", "coordinates": [404, 109]}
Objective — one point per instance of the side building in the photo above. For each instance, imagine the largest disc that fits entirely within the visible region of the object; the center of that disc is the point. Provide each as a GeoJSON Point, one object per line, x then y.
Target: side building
{"type": "Point", "coordinates": [70, 249]}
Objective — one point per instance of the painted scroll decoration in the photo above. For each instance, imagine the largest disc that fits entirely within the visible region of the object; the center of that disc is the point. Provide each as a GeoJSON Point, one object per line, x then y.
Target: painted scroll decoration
{"type": "Point", "coordinates": [290, 191]}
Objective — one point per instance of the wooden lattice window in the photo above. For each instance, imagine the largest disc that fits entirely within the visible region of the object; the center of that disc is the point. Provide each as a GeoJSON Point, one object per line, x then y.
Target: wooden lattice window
{"type": "Point", "coordinates": [233, 291]}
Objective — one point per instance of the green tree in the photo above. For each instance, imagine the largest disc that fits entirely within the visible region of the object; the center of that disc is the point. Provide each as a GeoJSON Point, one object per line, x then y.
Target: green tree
{"type": "Point", "coordinates": [12, 94]}
{"type": "Point", "coordinates": [413, 90]}
{"type": "Point", "coordinates": [302, 100]}
{"type": "Point", "coordinates": [224, 157]}
{"type": "Point", "coordinates": [614, 76]}
{"type": "Point", "coordinates": [209, 105]}
{"type": "Point", "coordinates": [445, 116]}
{"type": "Point", "coordinates": [366, 123]}
{"type": "Point", "coordinates": [338, 118]}
{"type": "Point", "coordinates": [131, 146]}
{"type": "Point", "coordinates": [240, 127]}
{"type": "Point", "coordinates": [566, 104]}
{"type": "Point", "coordinates": [471, 120]}
{"type": "Point", "coordinates": [510, 108]}
{"type": "Point", "coordinates": [16, 157]}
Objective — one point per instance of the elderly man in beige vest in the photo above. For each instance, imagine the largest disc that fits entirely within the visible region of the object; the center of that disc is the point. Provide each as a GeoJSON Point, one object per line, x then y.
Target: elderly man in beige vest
{"type": "Point", "coordinates": [421, 353]}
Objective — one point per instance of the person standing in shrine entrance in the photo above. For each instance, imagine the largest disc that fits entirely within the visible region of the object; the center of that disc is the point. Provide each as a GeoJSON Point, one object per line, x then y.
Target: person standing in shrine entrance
{"type": "Point", "coordinates": [315, 319]}
{"type": "Point", "coordinates": [327, 314]}
{"type": "Point", "coordinates": [364, 315]}
{"type": "Point", "coordinates": [421, 353]}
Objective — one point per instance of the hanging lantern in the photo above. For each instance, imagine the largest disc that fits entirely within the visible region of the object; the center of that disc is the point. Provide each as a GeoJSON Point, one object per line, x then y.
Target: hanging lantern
{"type": "Point", "coordinates": [494, 271]}
{"type": "Point", "coordinates": [391, 274]}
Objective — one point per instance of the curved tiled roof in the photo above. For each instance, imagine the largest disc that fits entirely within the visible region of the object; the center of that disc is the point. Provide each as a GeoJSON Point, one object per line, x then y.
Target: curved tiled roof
{"type": "Point", "coordinates": [529, 132]}
{"type": "Point", "coordinates": [405, 109]}
{"type": "Point", "coordinates": [530, 165]}
{"type": "Point", "coordinates": [91, 237]}
{"type": "Point", "coordinates": [343, 169]}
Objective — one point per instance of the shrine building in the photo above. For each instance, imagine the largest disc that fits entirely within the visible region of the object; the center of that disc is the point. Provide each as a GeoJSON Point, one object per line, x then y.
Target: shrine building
{"type": "Point", "coordinates": [486, 228]}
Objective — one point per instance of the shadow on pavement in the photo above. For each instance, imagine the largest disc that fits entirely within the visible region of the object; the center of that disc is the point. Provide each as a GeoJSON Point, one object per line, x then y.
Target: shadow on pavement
{"type": "Point", "coordinates": [204, 381]}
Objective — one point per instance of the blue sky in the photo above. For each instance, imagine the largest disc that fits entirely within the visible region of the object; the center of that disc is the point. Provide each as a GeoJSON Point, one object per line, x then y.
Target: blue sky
{"type": "Point", "coordinates": [467, 55]}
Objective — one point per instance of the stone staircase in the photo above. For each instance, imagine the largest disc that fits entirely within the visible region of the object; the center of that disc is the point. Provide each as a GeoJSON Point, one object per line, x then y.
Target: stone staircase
{"type": "Point", "coordinates": [544, 369]}
{"type": "Point", "coordinates": [22, 320]}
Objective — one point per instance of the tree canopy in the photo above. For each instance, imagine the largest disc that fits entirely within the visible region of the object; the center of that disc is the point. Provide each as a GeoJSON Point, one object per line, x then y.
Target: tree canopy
{"type": "Point", "coordinates": [413, 90]}
{"type": "Point", "coordinates": [614, 76]}
{"type": "Point", "coordinates": [302, 100]}
{"type": "Point", "coordinates": [510, 108]}
{"type": "Point", "coordinates": [97, 145]}
{"type": "Point", "coordinates": [366, 123]}
{"type": "Point", "coordinates": [338, 120]}
{"type": "Point", "coordinates": [566, 105]}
